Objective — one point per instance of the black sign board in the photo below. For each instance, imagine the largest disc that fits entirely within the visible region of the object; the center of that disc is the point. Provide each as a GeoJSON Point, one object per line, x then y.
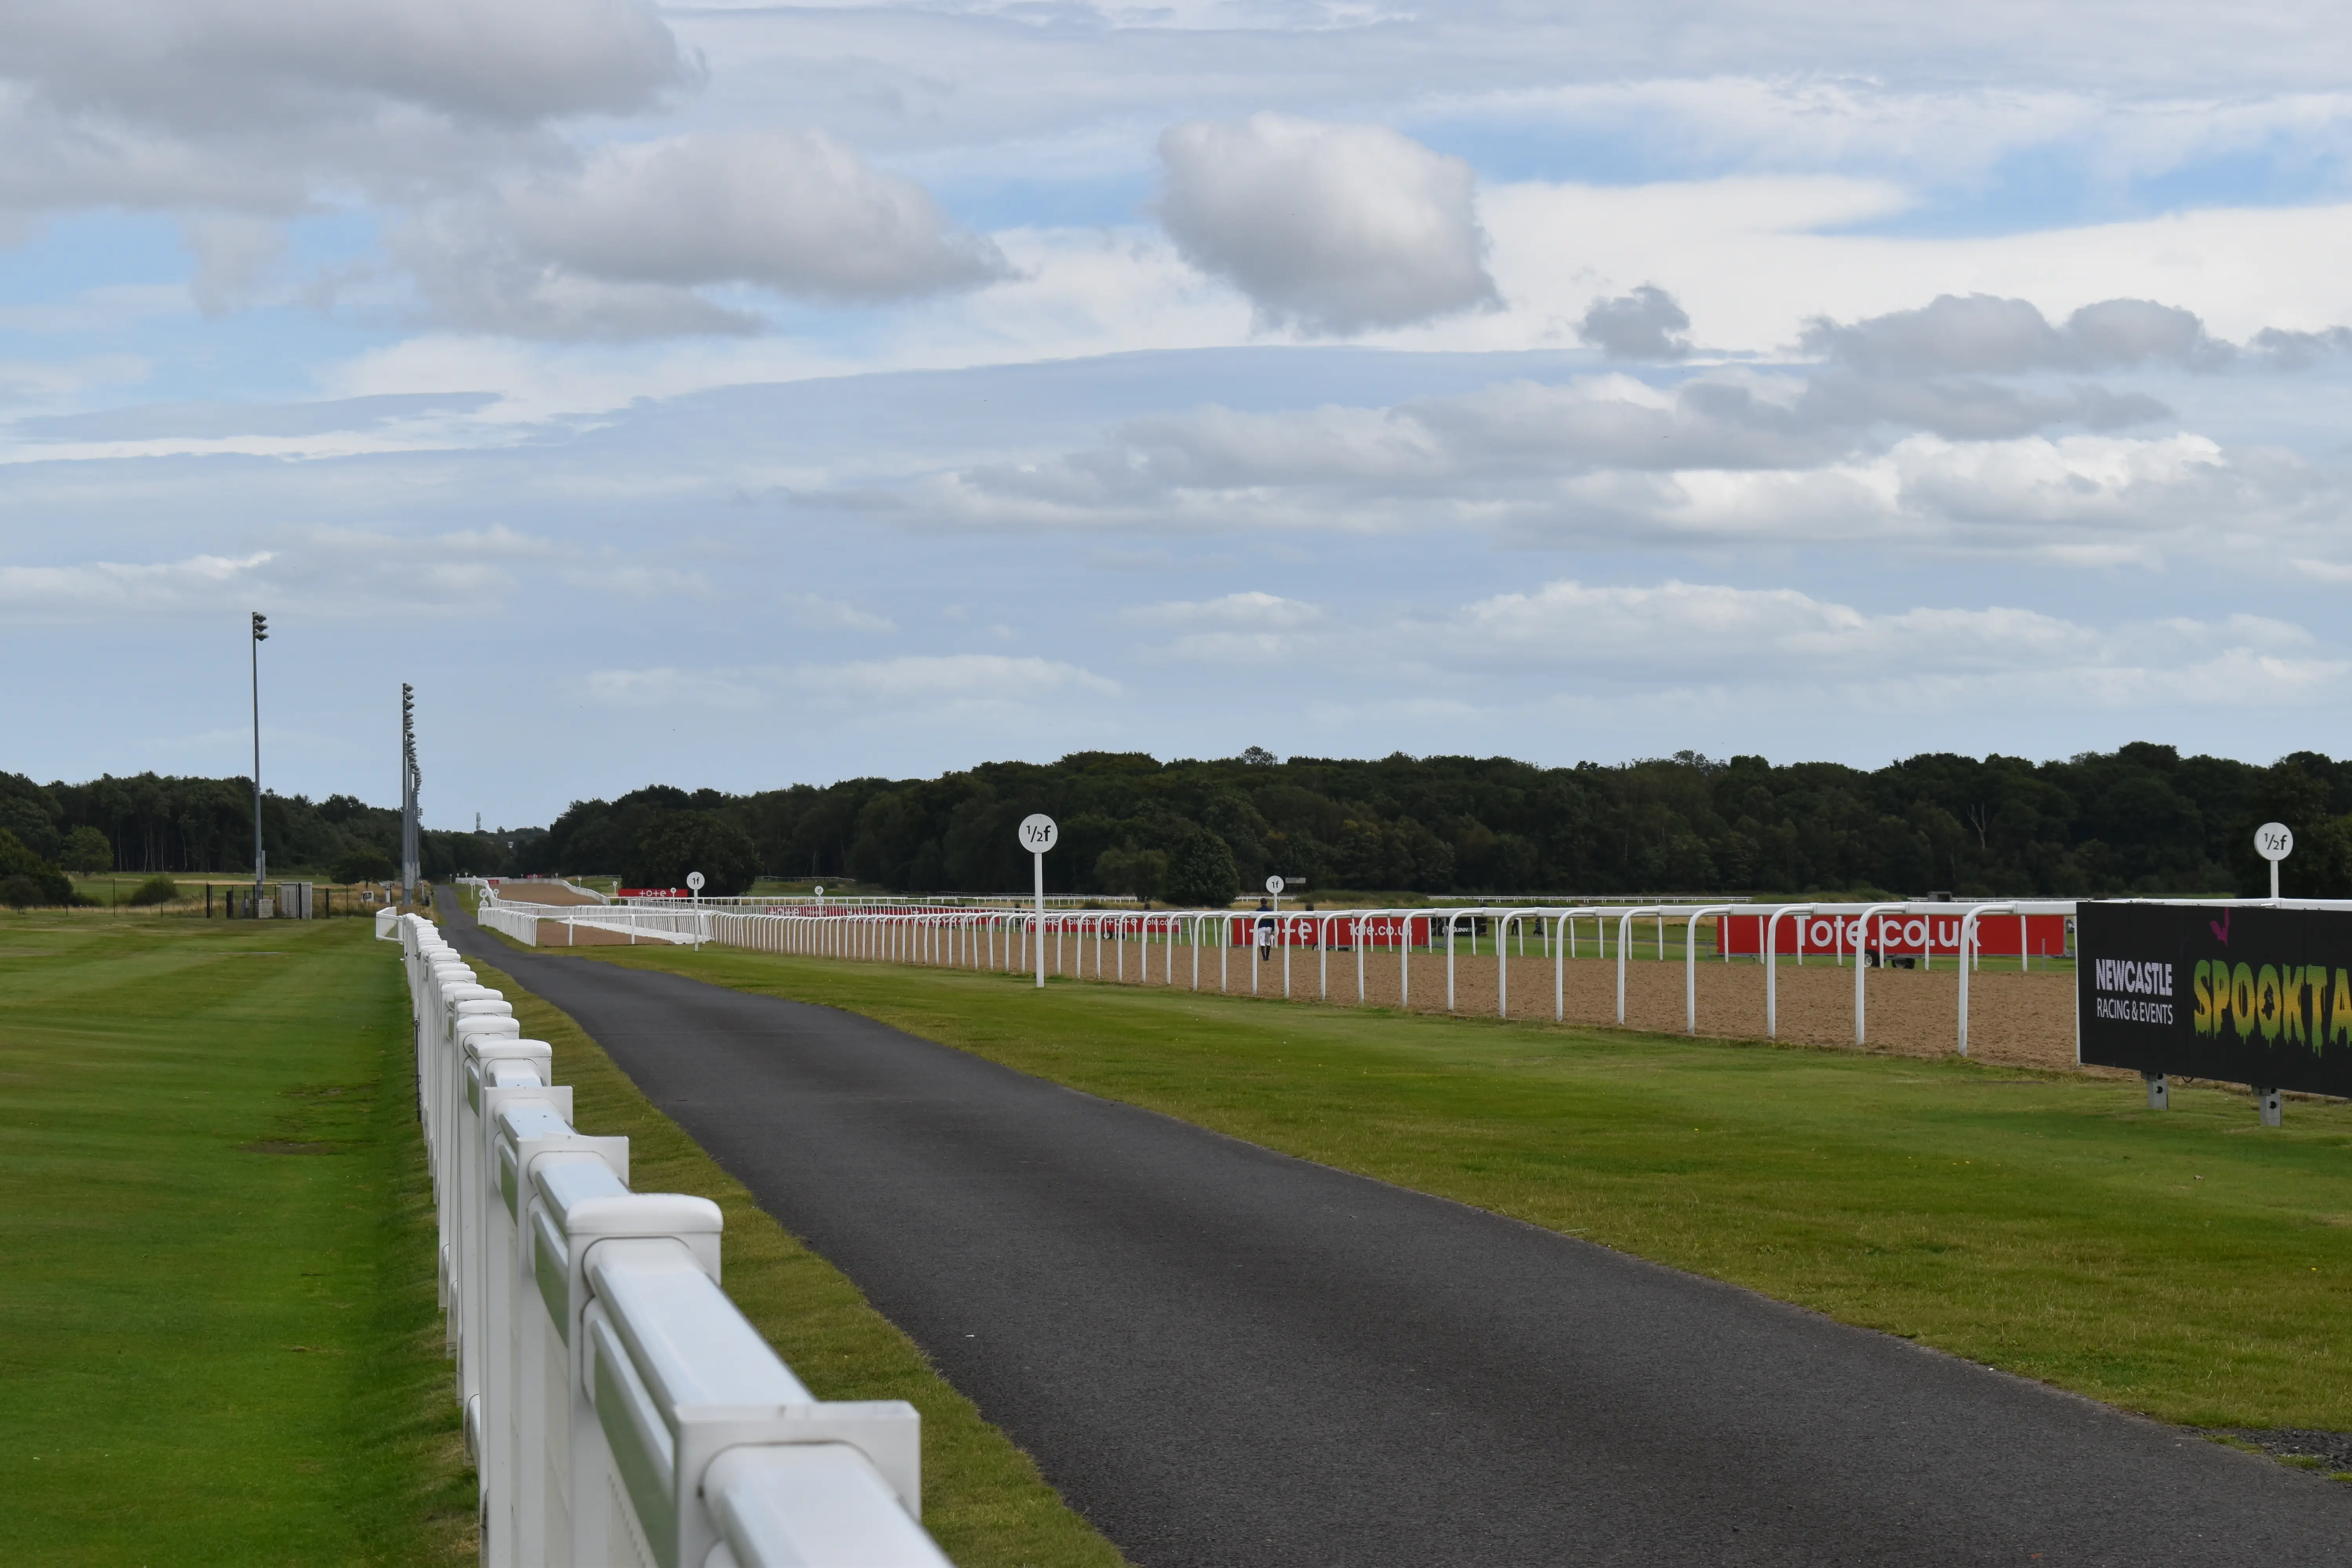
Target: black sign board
{"type": "Point", "coordinates": [2239, 993]}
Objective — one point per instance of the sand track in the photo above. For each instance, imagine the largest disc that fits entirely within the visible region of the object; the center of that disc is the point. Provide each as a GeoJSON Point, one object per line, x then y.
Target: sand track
{"type": "Point", "coordinates": [2017, 1019]}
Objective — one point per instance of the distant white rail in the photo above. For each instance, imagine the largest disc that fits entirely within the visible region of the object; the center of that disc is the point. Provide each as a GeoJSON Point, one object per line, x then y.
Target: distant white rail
{"type": "Point", "coordinates": [620, 1409]}
{"type": "Point", "coordinates": [1008, 939]}
{"type": "Point", "coordinates": [671, 924]}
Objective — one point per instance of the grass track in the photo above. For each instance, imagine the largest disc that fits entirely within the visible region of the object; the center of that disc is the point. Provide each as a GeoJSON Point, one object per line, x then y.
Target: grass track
{"type": "Point", "coordinates": [983, 1500]}
{"type": "Point", "coordinates": [218, 1338]}
{"type": "Point", "coordinates": [2190, 1263]}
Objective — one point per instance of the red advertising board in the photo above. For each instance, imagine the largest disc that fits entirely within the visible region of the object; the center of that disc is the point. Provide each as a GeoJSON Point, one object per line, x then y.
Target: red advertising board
{"type": "Point", "coordinates": [1896, 935]}
{"type": "Point", "coordinates": [1307, 930]}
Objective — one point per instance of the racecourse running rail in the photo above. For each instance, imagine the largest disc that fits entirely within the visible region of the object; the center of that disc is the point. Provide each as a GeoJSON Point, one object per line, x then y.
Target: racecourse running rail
{"type": "Point", "coordinates": [1180, 942]}
{"type": "Point", "coordinates": [621, 1411]}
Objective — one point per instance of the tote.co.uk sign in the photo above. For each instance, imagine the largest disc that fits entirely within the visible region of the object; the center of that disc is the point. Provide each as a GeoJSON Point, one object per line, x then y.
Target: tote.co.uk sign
{"type": "Point", "coordinates": [1896, 935]}
{"type": "Point", "coordinates": [1307, 930]}
{"type": "Point", "coordinates": [2234, 991]}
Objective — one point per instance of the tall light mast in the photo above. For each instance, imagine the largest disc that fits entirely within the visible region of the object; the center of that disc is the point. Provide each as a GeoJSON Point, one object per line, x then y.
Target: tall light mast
{"type": "Point", "coordinates": [412, 780]}
{"type": "Point", "coordinates": [260, 856]}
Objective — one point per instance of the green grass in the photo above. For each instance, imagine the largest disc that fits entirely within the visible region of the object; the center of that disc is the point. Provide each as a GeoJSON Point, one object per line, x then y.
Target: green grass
{"type": "Point", "coordinates": [2189, 1264]}
{"type": "Point", "coordinates": [983, 1500]}
{"type": "Point", "coordinates": [218, 1340]}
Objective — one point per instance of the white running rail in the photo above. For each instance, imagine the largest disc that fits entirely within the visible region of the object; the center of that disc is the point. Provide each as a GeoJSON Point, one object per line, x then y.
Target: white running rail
{"type": "Point", "coordinates": [621, 1411]}
{"type": "Point", "coordinates": [1008, 939]}
{"type": "Point", "coordinates": [670, 923]}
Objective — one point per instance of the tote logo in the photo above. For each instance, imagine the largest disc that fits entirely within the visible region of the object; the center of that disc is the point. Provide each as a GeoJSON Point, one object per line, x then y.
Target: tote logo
{"type": "Point", "coordinates": [2290, 1001]}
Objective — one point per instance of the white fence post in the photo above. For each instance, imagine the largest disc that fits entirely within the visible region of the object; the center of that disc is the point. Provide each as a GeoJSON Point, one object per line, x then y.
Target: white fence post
{"type": "Point", "coordinates": [621, 1410]}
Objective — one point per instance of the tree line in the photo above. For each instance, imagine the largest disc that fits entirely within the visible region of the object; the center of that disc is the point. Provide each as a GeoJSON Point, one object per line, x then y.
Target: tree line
{"type": "Point", "coordinates": [2142, 819]}
{"type": "Point", "coordinates": [156, 823]}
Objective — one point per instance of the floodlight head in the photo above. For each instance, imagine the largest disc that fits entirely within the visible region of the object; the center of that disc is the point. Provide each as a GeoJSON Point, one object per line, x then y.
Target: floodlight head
{"type": "Point", "coordinates": [260, 626]}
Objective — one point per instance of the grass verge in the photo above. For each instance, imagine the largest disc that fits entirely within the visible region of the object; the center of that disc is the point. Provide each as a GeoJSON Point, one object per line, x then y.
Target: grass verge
{"type": "Point", "coordinates": [983, 1500]}
{"type": "Point", "coordinates": [218, 1338]}
{"type": "Point", "coordinates": [2188, 1264]}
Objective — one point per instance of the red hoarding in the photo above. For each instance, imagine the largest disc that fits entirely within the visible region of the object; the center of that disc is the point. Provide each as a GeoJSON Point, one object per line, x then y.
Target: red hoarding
{"type": "Point", "coordinates": [1896, 935]}
{"type": "Point", "coordinates": [1307, 930]}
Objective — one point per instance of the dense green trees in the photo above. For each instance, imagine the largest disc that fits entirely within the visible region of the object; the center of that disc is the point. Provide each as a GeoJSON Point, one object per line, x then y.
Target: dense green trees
{"type": "Point", "coordinates": [2140, 819]}
{"type": "Point", "coordinates": [1201, 873]}
{"type": "Point", "coordinates": [363, 865]}
{"type": "Point", "coordinates": [670, 847]}
{"type": "Point", "coordinates": [26, 878]}
{"type": "Point", "coordinates": [158, 824]}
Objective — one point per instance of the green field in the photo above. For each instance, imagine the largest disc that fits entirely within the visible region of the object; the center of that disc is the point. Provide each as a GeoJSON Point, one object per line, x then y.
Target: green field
{"type": "Point", "coordinates": [2189, 1264]}
{"type": "Point", "coordinates": [218, 1333]}
{"type": "Point", "coordinates": [218, 1328]}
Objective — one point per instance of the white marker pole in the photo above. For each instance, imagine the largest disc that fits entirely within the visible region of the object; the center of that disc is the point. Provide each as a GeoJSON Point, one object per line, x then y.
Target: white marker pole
{"type": "Point", "coordinates": [1274, 885]}
{"type": "Point", "coordinates": [1039, 833]}
{"type": "Point", "coordinates": [694, 887]}
{"type": "Point", "coordinates": [2274, 841]}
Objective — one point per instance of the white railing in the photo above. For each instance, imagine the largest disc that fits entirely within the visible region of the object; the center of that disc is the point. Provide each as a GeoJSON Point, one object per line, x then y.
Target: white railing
{"type": "Point", "coordinates": [619, 1408]}
{"type": "Point", "coordinates": [1009, 941]}
{"type": "Point", "coordinates": [868, 902]}
{"type": "Point", "coordinates": [499, 884]}
{"type": "Point", "coordinates": [669, 923]}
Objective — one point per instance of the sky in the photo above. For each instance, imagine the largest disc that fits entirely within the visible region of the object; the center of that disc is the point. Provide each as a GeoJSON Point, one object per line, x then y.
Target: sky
{"type": "Point", "coordinates": [750, 394]}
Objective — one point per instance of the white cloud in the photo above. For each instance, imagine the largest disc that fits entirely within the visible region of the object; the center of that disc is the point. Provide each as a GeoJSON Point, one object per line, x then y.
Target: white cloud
{"type": "Point", "coordinates": [1253, 628]}
{"type": "Point", "coordinates": [200, 64]}
{"type": "Point", "coordinates": [1688, 635]}
{"type": "Point", "coordinates": [1252, 609]}
{"type": "Point", "coordinates": [1330, 229]}
{"type": "Point", "coordinates": [233, 257]}
{"type": "Point", "coordinates": [103, 590]}
{"type": "Point", "coordinates": [664, 687]}
{"type": "Point", "coordinates": [310, 571]}
{"type": "Point", "coordinates": [838, 614]}
{"type": "Point", "coordinates": [1979, 334]}
{"type": "Point", "coordinates": [931, 678]}
{"type": "Point", "coordinates": [619, 247]}
{"type": "Point", "coordinates": [960, 682]}
{"type": "Point", "coordinates": [1644, 324]}
{"type": "Point", "coordinates": [271, 106]}
{"type": "Point", "coordinates": [1733, 455]}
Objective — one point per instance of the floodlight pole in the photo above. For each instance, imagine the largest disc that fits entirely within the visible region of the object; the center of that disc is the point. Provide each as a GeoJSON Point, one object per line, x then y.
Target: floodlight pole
{"type": "Point", "coordinates": [411, 779]}
{"type": "Point", "coordinates": [260, 856]}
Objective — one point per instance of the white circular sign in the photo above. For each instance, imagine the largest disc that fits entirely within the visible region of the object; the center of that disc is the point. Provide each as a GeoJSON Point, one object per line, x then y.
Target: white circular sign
{"type": "Point", "coordinates": [693, 880]}
{"type": "Point", "coordinates": [819, 893]}
{"type": "Point", "coordinates": [1274, 884]}
{"type": "Point", "coordinates": [2273, 841]}
{"type": "Point", "coordinates": [1039, 833]}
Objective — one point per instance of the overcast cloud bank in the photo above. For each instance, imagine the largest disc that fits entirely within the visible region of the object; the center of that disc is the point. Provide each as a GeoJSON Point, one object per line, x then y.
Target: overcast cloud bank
{"type": "Point", "coordinates": [880, 388]}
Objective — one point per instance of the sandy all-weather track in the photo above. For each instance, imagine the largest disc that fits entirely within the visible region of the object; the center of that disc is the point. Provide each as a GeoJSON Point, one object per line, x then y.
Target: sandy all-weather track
{"type": "Point", "coordinates": [2015, 1019]}
{"type": "Point", "coordinates": [1222, 1356]}
{"type": "Point", "coordinates": [554, 893]}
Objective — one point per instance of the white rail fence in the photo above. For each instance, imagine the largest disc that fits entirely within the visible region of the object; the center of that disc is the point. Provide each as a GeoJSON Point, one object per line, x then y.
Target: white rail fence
{"type": "Point", "coordinates": [669, 923]}
{"type": "Point", "coordinates": [1179, 942]}
{"type": "Point", "coordinates": [622, 1413]}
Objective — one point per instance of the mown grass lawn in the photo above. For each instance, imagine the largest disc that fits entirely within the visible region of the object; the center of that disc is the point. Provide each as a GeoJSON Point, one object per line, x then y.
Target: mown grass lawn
{"type": "Point", "coordinates": [218, 1336]}
{"type": "Point", "coordinates": [2189, 1264]}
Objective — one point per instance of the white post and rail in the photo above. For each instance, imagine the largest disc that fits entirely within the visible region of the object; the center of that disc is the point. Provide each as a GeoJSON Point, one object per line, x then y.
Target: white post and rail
{"type": "Point", "coordinates": [618, 1406]}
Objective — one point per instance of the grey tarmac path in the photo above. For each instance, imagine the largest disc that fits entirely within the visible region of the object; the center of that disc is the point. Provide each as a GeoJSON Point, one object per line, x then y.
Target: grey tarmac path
{"type": "Point", "coordinates": [1224, 1356]}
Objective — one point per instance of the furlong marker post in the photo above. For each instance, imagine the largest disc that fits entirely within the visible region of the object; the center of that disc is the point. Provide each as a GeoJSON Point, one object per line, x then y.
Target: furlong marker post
{"type": "Point", "coordinates": [1039, 833]}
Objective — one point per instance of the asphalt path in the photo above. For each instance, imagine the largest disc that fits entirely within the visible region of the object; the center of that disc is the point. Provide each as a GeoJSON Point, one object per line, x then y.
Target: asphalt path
{"type": "Point", "coordinates": [1222, 1356]}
